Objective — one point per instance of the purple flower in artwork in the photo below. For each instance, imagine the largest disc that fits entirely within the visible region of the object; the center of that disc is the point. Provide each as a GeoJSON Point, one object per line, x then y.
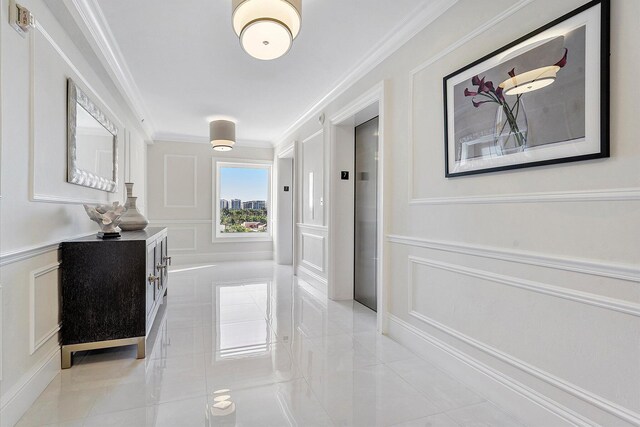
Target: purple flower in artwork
{"type": "Point", "coordinates": [563, 61]}
{"type": "Point", "coordinates": [512, 73]}
{"type": "Point", "coordinates": [500, 94]}
{"type": "Point", "coordinates": [478, 103]}
{"type": "Point", "coordinates": [467, 92]}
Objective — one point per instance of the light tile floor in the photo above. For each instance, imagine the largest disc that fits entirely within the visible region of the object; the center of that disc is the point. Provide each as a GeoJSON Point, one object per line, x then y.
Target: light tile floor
{"type": "Point", "coordinates": [247, 344]}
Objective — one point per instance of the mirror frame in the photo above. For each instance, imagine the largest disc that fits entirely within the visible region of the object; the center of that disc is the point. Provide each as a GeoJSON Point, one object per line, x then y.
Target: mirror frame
{"type": "Point", "coordinates": [75, 95]}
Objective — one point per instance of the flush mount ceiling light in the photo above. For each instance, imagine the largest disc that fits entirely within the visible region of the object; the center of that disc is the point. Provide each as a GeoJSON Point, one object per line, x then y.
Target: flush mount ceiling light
{"type": "Point", "coordinates": [222, 134]}
{"type": "Point", "coordinates": [266, 28]}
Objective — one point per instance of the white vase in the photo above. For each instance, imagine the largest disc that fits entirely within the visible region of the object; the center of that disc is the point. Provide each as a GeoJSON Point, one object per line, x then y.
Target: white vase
{"type": "Point", "coordinates": [132, 219]}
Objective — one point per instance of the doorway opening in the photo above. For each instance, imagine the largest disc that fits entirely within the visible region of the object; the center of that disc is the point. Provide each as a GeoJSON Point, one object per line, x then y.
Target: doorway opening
{"type": "Point", "coordinates": [356, 217]}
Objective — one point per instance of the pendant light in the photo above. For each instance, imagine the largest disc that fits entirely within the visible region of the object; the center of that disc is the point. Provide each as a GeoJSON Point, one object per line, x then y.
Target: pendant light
{"type": "Point", "coordinates": [222, 134]}
{"type": "Point", "coordinates": [267, 28]}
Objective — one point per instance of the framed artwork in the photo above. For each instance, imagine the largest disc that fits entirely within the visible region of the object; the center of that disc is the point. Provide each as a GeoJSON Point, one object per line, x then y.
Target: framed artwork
{"type": "Point", "coordinates": [540, 100]}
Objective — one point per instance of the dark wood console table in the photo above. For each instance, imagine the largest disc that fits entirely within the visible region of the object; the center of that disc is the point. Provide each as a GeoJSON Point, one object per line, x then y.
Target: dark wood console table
{"type": "Point", "coordinates": [112, 290]}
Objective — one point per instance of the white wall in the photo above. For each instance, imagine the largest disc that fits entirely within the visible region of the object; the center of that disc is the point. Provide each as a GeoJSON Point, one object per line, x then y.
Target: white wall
{"type": "Point", "coordinates": [310, 217]}
{"type": "Point", "coordinates": [38, 208]}
{"type": "Point", "coordinates": [284, 213]}
{"type": "Point", "coordinates": [180, 197]}
{"type": "Point", "coordinates": [524, 280]}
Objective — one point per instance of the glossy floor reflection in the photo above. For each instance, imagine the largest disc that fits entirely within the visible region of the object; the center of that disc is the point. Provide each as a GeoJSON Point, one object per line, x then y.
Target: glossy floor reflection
{"type": "Point", "coordinates": [247, 344]}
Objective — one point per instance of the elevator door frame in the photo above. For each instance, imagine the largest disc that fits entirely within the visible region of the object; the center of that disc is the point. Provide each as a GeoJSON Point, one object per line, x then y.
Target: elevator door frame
{"type": "Point", "coordinates": [355, 216]}
{"type": "Point", "coordinates": [340, 284]}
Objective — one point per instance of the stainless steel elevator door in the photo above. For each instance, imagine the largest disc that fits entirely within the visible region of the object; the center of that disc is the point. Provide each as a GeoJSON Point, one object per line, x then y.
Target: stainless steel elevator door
{"type": "Point", "coordinates": [366, 213]}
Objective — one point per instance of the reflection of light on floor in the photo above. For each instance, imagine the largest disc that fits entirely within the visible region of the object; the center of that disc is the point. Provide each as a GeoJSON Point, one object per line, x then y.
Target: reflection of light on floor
{"type": "Point", "coordinates": [200, 267]}
{"type": "Point", "coordinates": [254, 337]}
{"type": "Point", "coordinates": [222, 412]}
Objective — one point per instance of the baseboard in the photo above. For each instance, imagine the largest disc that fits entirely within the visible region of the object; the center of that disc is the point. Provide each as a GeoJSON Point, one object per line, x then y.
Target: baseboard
{"type": "Point", "coordinates": [203, 258]}
{"type": "Point", "coordinates": [315, 280]}
{"type": "Point", "coordinates": [531, 406]}
{"type": "Point", "coordinates": [17, 400]}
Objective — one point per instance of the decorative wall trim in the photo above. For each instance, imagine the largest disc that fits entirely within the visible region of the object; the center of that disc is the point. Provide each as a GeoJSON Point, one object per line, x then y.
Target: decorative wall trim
{"type": "Point", "coordinates": [313, 136]}
{"type": "Point", "coordinates": [313, 227]}
{"type": "Point", "coordinates": [315, 280]}
{"type": "Point", "coordinates": [487, 379]}
{"type": "Point", "coordinates": [33, 251]}
{"type": "Point", "coordinates": [17, 400]}
{"type": "Point", "coordinates": [195, 181]}
{"type": "Point", "coordinates": [194, 231]}
{"type": "Point", "coordinates": [36, 342]}
{"type": "Point", "coordinates": [532, 286]}
{"type": "Point", "coordinates": [179, 221]}
{"type": "Point", "coordinates": [400, 35]}
{"type": "Point", "coordinates": [91, 20]}
{"type": "Point", "coordinates": [578, 265]}
{"type": "Point", "coordinates": [306, 262]}
{"type": "Point", "coordinates": [611, 195]}
{"type": "Point", "coordinates": [209, 257]}
{"type": "Point", "coordinates": [286, 150]}
{"type": "Point", "coordinates": [582, 394]}
{"type": "Point", "coordinates": [33, 194]}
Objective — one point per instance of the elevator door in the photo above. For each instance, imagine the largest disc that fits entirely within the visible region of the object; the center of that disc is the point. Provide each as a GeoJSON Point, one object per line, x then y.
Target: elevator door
{"type": "Point", "coordinates": [366, 213]}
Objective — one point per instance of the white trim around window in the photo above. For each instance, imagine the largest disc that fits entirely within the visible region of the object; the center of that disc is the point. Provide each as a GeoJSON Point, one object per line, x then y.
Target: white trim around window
{"type": "Point", "coordinates": [218, 237]}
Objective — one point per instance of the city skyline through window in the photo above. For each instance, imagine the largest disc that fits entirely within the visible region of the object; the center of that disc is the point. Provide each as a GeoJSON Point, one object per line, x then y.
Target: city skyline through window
{"type": "Point", "coordinates": [243, 198]}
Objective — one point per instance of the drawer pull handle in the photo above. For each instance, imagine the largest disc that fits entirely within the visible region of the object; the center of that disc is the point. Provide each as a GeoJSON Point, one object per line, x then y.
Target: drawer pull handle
{"type": "Point", "coordinates": [161, 266]}
{"type": "Point", "coordinates": [167, 259]}
{"type": "Point", "coordinates": [153, 278]}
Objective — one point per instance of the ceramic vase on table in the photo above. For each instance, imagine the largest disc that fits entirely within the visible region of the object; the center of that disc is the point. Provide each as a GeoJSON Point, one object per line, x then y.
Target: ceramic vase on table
{"type": "Point", "coordinates": [132, 219]}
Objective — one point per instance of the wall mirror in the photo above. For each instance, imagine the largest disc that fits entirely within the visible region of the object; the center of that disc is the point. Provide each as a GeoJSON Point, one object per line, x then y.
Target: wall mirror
{"type": "Point", "coordinates": [92, 143]}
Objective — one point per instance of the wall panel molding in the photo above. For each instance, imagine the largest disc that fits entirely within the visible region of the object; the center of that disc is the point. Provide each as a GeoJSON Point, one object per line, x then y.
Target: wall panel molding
{"type": "Point", "coordinates": [626, 272]}
{"type": "Point", "coordinates": [608, 195]}
{"type": "Point", "coordinates": [35, 342]}
{"type": "Point", "coordinates": [210, 257]}
{"type": "Point", "coordinates": [538, 406]}
{"type": "Point", "coordinates": [321, 280]}
{"type": "Point", "coordinates": [312, 227]}
{"type": "Point", "coordinates": [530, 285]}
{"type": "Point", "coordinates": [179, 221]}
{"type": "Point", "coordinates": [194, 234]}
{"type": "Point", "coordinates": [576, 296]}
{"type": "Point", "coordinates": [34, 194]}
{"type": "Point", "coordinates": [17, 400]}
{"type": "Point", "coordinates": [11, 257]}
{"type": "Point", "coordinates": [306, 261]}
{"type": "Point", "coordinates": [195, 180]}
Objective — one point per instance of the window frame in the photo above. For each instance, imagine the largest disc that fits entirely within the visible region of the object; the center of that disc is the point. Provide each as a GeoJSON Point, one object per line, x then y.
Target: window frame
{"type": "Point", "coordinates": [216, 235]}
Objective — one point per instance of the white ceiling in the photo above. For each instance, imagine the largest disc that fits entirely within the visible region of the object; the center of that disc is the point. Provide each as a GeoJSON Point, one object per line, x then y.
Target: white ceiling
{"type": "Point", "coordinates": [186, 67]}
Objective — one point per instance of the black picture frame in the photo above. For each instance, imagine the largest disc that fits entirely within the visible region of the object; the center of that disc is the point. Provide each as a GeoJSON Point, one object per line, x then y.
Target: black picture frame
{"type": "Point", "coordinates": [486, 159]}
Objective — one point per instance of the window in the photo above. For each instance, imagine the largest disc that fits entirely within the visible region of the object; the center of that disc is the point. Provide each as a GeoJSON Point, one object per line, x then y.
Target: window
{"type": "Point", "coordinates": [243, 200]}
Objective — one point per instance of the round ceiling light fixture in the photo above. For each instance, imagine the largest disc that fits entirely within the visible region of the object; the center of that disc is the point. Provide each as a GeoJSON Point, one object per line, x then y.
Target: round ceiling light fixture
{"type": "Point", "coordinates": [267, 28]}
{"type": "Point", "coordinates": [222, 134]}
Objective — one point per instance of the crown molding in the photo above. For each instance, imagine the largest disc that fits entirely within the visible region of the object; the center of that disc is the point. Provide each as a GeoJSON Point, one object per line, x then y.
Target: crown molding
{"type": "Point", "coordinates": [401, 34]}
{"type": "Point", "coordinates": [193, 139]}
{"type": "Point", "coordinates": [93, 24]}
